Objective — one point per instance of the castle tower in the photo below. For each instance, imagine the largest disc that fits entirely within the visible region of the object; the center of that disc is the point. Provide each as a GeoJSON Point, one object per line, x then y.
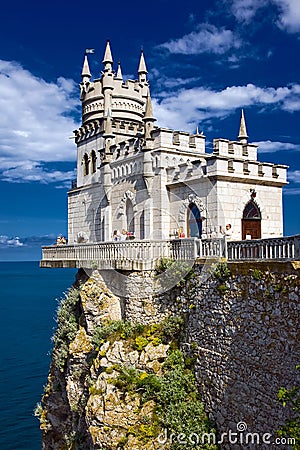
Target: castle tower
{"type": "Point", "coordinates": [151, 181]}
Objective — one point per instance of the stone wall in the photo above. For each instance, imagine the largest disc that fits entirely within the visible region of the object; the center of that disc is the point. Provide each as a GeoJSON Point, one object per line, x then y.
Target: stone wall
{"type": "Point", "coordinates": [243, 332]}
{"type": "Point", "coordinates": [248, 346]}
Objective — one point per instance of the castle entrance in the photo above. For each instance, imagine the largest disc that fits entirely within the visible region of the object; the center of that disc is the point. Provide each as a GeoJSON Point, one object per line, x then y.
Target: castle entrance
{"type": "Point", "coordinates": [194, 221]}
{"type": "Point", "coordinates": [251, 221]}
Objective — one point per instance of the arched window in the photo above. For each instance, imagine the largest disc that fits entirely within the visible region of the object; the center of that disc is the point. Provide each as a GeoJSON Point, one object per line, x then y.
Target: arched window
{"type": "Point", "coordinates": [85, 164]}
{"type": "Point", "coordinates": [194, 221]}
{"type": "Point", "coordinates": [251, 211]}
{"type": "Point", "coordinates": [93, 161]}
{"type": "Point", "coordinates": [129, 216]}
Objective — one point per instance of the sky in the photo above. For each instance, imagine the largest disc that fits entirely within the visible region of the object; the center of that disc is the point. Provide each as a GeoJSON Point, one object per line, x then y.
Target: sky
{"type": "Point", "coordinates": [206, 60]}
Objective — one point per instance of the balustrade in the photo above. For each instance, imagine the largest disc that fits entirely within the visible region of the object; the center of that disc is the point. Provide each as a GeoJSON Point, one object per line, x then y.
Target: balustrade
{"type": "Point", "coordinates": [106, 254]}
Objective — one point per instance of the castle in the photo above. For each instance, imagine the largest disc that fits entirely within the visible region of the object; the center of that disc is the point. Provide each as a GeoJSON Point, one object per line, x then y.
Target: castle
{"type": "Point", "coordinates": [152, 181]}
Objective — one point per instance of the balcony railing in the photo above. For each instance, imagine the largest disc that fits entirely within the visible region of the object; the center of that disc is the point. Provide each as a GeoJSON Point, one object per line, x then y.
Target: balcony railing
{"type": "Point", "coordinates": [281, 248]}
{"type": "Point", "coordinates": [142, 255]}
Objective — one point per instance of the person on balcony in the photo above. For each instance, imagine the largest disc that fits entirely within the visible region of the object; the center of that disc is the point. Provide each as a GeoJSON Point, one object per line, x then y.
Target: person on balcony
{"type": "Point", "coordinates": [228, 231]}
{"type": "Point", "coordinates": [116, 235]}
{"type": "Point", "coordinates": [123, 235]}
{"type": "Point", "coordinates": [180, 233]}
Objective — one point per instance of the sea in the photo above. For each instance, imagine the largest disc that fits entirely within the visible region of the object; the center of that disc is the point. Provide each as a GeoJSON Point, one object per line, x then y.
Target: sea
{"type": "Point", "coordinates": [29, 299]}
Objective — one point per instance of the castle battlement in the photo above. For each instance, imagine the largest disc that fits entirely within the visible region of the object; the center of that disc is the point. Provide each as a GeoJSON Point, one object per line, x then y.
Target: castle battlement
{"type": "Point", "coordinates": [235, 149]}
{"type": "Point", "coordinates": [178, 140]}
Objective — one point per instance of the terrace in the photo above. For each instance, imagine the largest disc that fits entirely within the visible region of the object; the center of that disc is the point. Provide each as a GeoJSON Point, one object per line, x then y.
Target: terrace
{"type": "Point", "coordinates": [144, 254]}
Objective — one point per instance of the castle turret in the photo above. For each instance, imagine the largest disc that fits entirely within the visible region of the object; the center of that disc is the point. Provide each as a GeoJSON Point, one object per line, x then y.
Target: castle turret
{"type": "Point", "coordinates": [107, 80]}
{"type": "Point", "coordinates": [142, 70]}
{"type": "Point", "coordinates": [85, 74]}
{"type": "Point", "coordinates": [85, 77]}
{"type": "Point", "coordinates": [148, 118]}
{"type": "Point", "coordinates": [107, 59]}
{"type": "Point", "coordinates": [243, 136]}
{"type": "Point", "coordinates": [119, 75]}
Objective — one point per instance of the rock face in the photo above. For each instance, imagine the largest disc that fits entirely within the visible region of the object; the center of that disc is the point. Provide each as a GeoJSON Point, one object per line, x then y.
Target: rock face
{"type": "Point", "coordinates": [243, 330]}
{"type": "Point", "coordinates": [83, 407]}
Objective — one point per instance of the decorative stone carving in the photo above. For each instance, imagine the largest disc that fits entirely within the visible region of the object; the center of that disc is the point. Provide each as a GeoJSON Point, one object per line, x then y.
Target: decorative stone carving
{"type": "Point", "coordinates": [191, 198]}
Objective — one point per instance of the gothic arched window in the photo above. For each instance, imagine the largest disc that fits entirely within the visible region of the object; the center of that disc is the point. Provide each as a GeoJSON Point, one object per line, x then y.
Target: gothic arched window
{"type": "Point", "coordinates": [85, 164]}
{"type": "Point", "coordinates": [251, 211]}
{"type": "Point", "coordinates": [93, 161]}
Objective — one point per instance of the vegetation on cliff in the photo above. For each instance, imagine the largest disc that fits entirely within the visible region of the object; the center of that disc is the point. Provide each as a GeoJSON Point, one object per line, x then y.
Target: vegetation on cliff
{"type": "Point", "coordinates": [121, 386]}
{"type": "Point", "coordinates": [291, 397]}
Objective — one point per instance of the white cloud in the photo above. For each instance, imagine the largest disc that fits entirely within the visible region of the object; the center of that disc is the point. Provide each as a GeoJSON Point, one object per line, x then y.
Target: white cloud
{"type": "Point", "coordinates": [288, 12]}
{"type": "Point", "coordinates": [245, 10]}
{"type": "Point", "coordinates": [30, 171]}
{"type": "Point", "coordinates": [289, 17]}
{"type": "Point", "coordinates": [275, 146]}
{"type": "Point", "coordinates": [187, 107]}
{"type": "Point", "coordinates": [294, 176]}
{"type": "Point", "coordinates": [291, 191]}
{"type": "Point", "coordinates": [6, 241]}
{"type": "Point", "coordinates": [206, 39]}
{"type": "Point", "coordinates": [36, 123]}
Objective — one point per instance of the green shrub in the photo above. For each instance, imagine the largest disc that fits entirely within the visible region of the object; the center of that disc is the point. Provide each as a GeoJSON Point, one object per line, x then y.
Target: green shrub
{"type": "Point", "coordinates": [172, 326]}
{"type": "Point", "coordinates": [256, 274]}
{"type": "Point", "coordinates": [221, 271]}
{"type": "Point", "coordinates": [291, 429]}
{"type": "Point", "coordinates": [67, 327]}
{"type": "Point", "coordinates": [140, 343]}
{"type": "Point", "coordinates": [116, 329]}
{"type": "Point", "coordinates": [222, 288]}
{"type": "Point", "coordinates": [176, 272]}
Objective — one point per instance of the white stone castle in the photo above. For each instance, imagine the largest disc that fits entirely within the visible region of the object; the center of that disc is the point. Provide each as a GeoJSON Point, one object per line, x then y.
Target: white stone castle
{"type": "Point", "coordinates": [152, 181]}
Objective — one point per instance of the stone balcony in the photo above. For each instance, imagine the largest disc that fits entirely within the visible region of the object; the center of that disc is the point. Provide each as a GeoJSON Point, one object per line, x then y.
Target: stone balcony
{"type": "Point", "coordinates": [144, 254]}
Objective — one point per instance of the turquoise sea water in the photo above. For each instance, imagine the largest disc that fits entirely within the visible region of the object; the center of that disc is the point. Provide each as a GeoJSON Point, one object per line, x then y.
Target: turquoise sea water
{"type": "Point", "coordinates": [28, 297]}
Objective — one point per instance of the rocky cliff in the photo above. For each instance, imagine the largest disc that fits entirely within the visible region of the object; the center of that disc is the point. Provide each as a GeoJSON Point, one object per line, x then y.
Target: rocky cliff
{"type": "Point", "coordinates": [125, 355]}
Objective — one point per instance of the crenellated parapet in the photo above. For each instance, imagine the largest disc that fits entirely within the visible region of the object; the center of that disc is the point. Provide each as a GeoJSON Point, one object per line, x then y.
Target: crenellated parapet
{"type": "Point", "coordinates": [179, 141]}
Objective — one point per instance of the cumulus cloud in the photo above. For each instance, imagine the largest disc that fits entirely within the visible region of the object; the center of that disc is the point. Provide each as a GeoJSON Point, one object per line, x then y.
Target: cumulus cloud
{"type": "Point", "coordinates": [7, 242]}
{"type": "Point", "coordinates": [10, 242]}
{"type": "Point", "coordinates": [275, 146]}
{"type": "Point", "coordinates": [36, 122]}
{"type": "Point", "coordinates": [29, 171]}
{"type": "Point", "coordinates": [289, 16]}
{"type": "Point", "coordinates": [206, 39]}
{"type": "Point", "coordinates": [288, 12]}
{"type": "Point", "coordinates": [185, 108]}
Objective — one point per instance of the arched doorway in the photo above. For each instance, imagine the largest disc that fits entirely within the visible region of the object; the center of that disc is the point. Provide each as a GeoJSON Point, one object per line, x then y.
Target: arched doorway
{"type": "Point", "coordinates": [251, 221]}
{"type": "Point", "coordinates": [129, 216]}
{"type": "Point", "coordinates": [194, 221]}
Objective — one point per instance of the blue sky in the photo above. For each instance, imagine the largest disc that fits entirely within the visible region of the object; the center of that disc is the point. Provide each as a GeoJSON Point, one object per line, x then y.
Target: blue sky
{"type": "Point", "coordinates": [206, 61]}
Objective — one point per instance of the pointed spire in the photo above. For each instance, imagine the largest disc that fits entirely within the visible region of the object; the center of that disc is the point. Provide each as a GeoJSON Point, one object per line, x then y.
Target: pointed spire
{"type": "Point", "coordinates": [86, 68]}
{"type": "Point", "coordinates": [243, 136]}
{"type": "Point", "coordinates": [148, 118]}
{"type": "Point", "coordinates": [148, 110]}
{"type": "Point", "coordinates": [119, 75]}
{"type": "Point", "coordinates": [107, 59]}
{"type": "Point", "coordinates": [142, 70]}
{"type": "Point", "coordinates": [108, 125]}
